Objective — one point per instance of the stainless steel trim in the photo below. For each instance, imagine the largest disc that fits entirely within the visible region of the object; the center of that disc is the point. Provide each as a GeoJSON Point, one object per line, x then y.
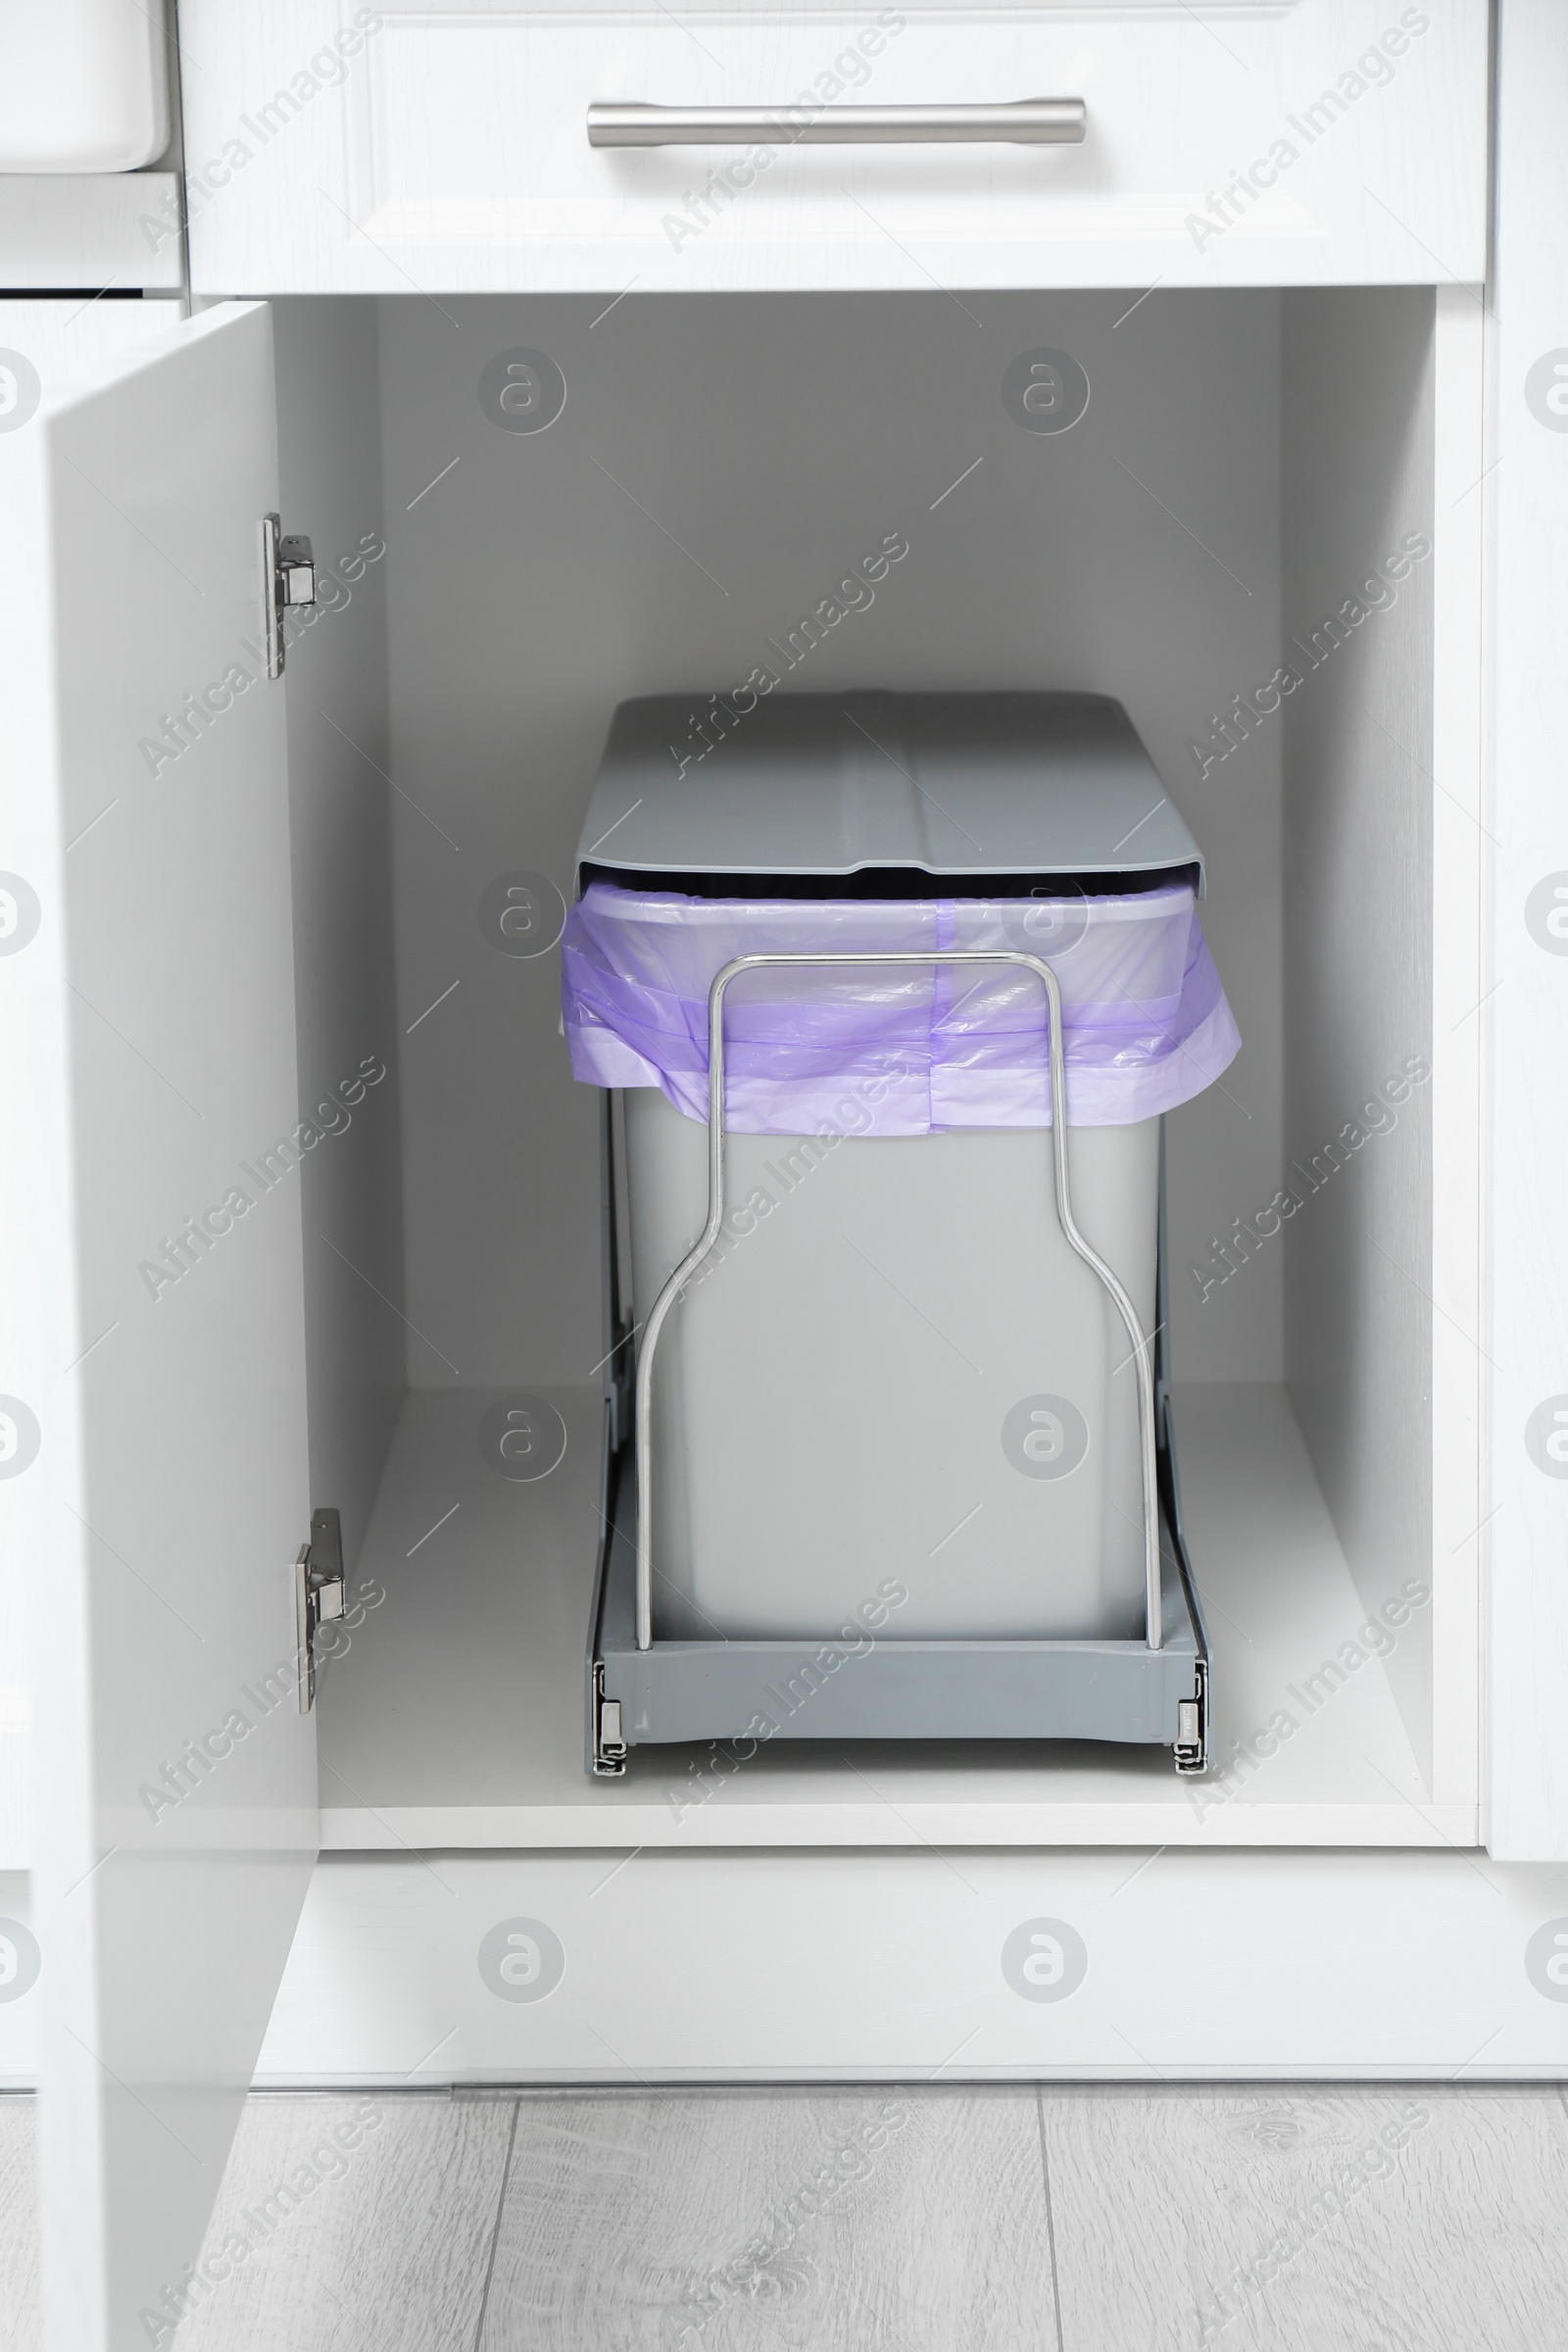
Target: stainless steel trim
{"type": "Point", "coordinates": [1142, 1351]}
{"type": "Point", "coordinates": [271, 600]}
{"type": "Point", "coordinates": [1025, 122]}
{"type": "Point", "coordinates": [304, 1628]}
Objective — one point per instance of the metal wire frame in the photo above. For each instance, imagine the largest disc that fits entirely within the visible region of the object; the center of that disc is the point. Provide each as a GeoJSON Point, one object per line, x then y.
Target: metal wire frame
{"type": "Point", "coordinates": [1142, 1351]}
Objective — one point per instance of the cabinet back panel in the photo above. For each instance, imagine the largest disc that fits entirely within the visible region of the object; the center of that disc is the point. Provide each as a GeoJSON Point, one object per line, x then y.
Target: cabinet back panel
{"type": "Point", "coordinates": [719, 464]}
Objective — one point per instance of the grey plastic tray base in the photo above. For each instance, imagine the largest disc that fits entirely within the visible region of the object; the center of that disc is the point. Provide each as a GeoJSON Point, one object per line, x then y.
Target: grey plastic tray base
{"type": "Point", "coordinates": [682, 1692]}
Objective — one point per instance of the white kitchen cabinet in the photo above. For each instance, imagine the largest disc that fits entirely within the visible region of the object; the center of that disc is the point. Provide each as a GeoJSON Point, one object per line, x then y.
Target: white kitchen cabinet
{"type": "Point", "coordinates": [85, 89]}
{"type": "Point", "coordinates": [84, 111]}
{"type": "Point", "coordinates": [445, 147]}
{"type": "Point", "coordinates": [275, 892]}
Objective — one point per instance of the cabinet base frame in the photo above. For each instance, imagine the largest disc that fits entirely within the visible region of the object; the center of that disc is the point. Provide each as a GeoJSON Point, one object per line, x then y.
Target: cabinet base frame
{"type": "Point", "coordinates": [746, 1693]}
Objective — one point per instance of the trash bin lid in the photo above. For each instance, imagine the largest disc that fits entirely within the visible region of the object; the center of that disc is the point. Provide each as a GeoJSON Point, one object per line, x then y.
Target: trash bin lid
{"type": "Point", "coordinates": [944, 784]}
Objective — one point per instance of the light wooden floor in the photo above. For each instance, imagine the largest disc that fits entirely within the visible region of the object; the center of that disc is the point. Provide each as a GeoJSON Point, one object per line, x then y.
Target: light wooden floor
{"type": "Point", "coordinates": [997, 2219]}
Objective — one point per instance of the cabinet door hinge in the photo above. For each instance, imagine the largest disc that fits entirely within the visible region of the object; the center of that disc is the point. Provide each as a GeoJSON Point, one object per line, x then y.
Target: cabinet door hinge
{"type": "Point", "coordinates": [288, 578]}
{"type": "Point", "coordinates": [319, 1594]}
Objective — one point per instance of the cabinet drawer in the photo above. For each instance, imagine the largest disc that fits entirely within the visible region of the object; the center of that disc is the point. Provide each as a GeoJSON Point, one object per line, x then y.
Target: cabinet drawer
{"type": "Point", "coordinates": [438, 147]}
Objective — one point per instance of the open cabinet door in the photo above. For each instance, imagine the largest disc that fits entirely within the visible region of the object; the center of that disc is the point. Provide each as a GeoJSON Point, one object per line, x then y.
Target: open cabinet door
{"type": "Point", "coordinates": [154, 1444]}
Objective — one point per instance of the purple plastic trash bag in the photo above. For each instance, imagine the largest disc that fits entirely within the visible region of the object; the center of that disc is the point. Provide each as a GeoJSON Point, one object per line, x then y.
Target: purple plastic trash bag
{"type": "Point", "coordinates": [1144, 1020]}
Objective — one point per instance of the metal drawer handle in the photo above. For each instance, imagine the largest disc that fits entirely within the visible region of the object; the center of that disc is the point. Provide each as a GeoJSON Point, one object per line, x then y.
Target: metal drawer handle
{"type": "Point", "coordinates": [1030, 122]}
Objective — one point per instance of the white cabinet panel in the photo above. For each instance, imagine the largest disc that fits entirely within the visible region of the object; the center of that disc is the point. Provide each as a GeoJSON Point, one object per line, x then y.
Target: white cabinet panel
{"type": "Point", "coordinates": [909, 1967]}
{"type": "Point", "coordinates": [112, 230]}
{"type": "Point", "coordinates": [1527, 1002]}
{"type": "Point", "coordinates": [44, 346]}
{"type": "Point", "coordinates": [412, 148]}
{"type": "Point", "coordinates": [154, 1445]}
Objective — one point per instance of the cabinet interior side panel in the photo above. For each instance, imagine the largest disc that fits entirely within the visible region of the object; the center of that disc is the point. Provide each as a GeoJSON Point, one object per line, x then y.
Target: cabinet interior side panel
{"type": "Point", "coordinates": [720, 466]}
{"type": "Point", "coordinates": [1357, 403]}
{"type": "Point", "coordinates": [340, 796]}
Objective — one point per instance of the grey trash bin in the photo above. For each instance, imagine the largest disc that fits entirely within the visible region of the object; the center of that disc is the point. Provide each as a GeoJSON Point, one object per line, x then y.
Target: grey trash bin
{"type": "Point", "coordinates": [892, 1388]}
